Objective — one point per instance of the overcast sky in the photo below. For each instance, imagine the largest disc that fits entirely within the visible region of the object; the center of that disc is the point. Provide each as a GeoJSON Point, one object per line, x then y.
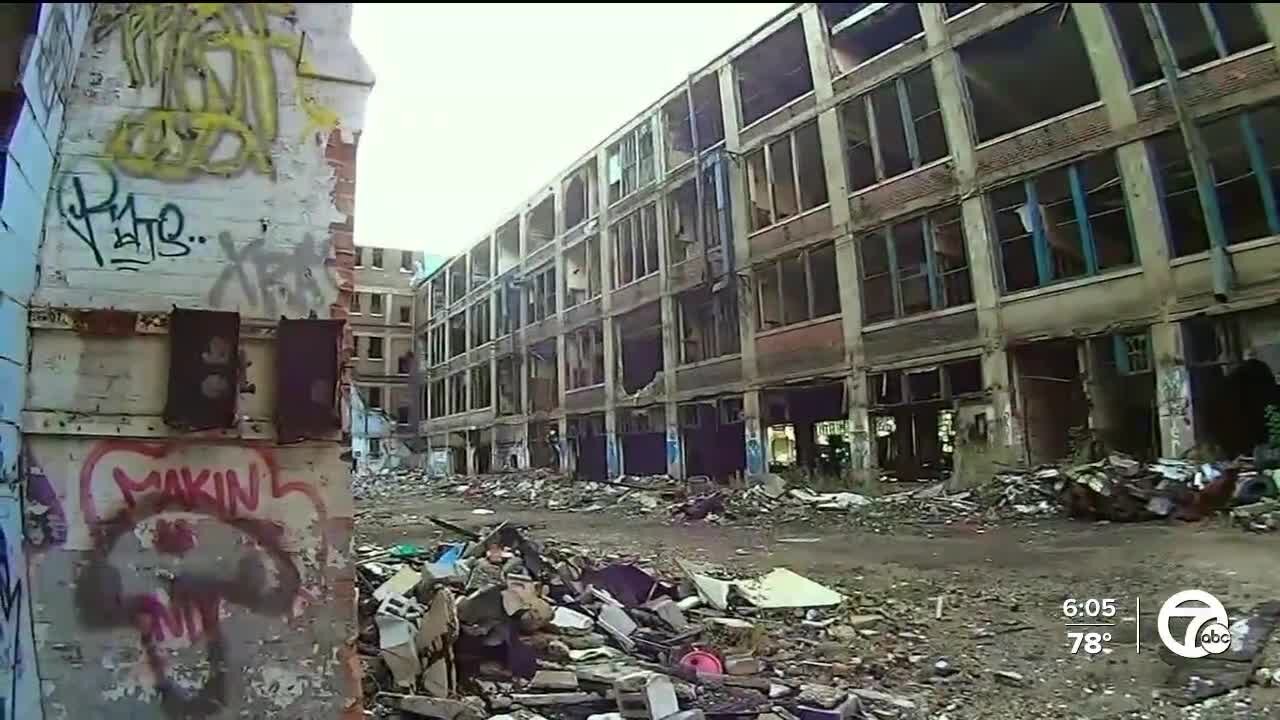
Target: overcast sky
{"type": "Point", "coordinates": [478, 106]}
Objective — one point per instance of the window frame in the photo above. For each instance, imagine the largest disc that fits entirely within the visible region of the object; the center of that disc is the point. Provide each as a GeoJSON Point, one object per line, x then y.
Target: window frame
{"type": "Point", "coordinates": [766, 150]}
{"type": "Point", "coordinates": [377, 305]}
{"type": "Point", "coordinates": [369, 345]}
{"type": "Point", "coordinates": [935, 277]}
{"type": "Point", "coordinates": [907, 119]}
{"type": "Point", "coordinates": [774, 267]}
{"type": "Point", "coordinates": [376, 262]}
{"type": "Point", "coordinates": [628, 152]}
{"type": "Point", "coordinates": [641, 227]}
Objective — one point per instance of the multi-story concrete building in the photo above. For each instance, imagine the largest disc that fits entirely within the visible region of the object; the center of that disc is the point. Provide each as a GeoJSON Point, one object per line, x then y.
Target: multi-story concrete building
{"type": "Point", "coordinates": [382, 317]}
{"type": "Point", "coordinates": [175, 270]}
{"type": "Point", "coordinates": [898, 238]}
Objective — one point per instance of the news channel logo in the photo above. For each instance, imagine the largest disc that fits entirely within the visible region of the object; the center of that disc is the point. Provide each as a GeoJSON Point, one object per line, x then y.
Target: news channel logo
{"type": "Point", "coordinates": [1206, 632]}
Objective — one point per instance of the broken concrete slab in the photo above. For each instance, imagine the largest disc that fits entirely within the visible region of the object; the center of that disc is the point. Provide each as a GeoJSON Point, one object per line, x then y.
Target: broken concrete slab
{"type": "Point", "coordinates": [429, 707]}
{"type": "Point", "coordinates": [783, 588]}
{"type": "Point", "coordinates": [554, 680]}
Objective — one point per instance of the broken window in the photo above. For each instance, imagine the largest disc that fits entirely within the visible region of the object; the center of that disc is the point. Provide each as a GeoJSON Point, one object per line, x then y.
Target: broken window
{"type": "Point", "coordinates": [708, 121]}
{"type": "Point", "coordinates": [438, 396]}
{"type": "Point", "coordinates": [544, 385]}
{"type": "Point", "coordinates": [682, 223]}
{"type": "Point", "coordinates": [915, 266]}
{"type": "Point", "coordinates": [635, 245]}
{"type": "Point", "coordinates": [438, 298]}
{"type": "Point", "coordinates": [542, 223]}
{"type": "Point", "coordinates": [773, 73]}
{"type": "Point", "coordinates": [708, 325]}
{"type": "Point", "coordinates": [457, 392]}
{"type": "Point", "coordinates": [509, 385]}
{"type": "Point", "coordinates": [584, 348]}
{"type": "Point", "coordinates": [406, 260]}
{"type": "Point", "coordinates": [582, 272]}
{"type": "Point", "coordinates": [630, 162]}
{"type": "Point", "coordinates": [457, 279]}
{"type": "Point", "coordinates": [480, 269]}
{"type": "Point", "coordinates": [508, 241]}
{"type": "Point", "coordinates": [794, 288]}
{"type": "Point", "coordinates": [1243, 155]}
{"type": "Point", "coordinates": [1007, 71]}
{"type": "Point", "coordinates": [786, 177]}
{"type": "Point", "coordinates": [374, 348]}
{"type": "Point", "coordinates": [580, 195]}
{"type": "Point", "coordinates": [353, 304]}
{"type": "Point", "coordinates": [377, 258]}
{"type": "Point", "coordinates": [457, 334]}
{"type": "Point", "coordinates": [1203, 32]}
{"type": "Point", "coordinates": [436, 340]}
{"type": "Point", "coordinates": [480, 323]}
{"type": "Point", "coordinates": [375, 303]}
{"type": "Point", "coordinates": [861, 31]}
{"type": "Point", "coordinates": [480, 387]}
{"type": "Point", "coordinates": [1068, 222]}
{"type": "Point", "coordinates": [913, 417]}
{"type": "Point", "coordinates": [638, 339]}
{"type": "Point", "coordinates": [908, 129]}
{"type": "Point", "coordinates": [954, 9]}
{"type": "Point", "coordinates": [540, 294]}
{"type": "Point", "coordinates": [508, 309]}
{"type": "Point", "coordinates": [204, 369]}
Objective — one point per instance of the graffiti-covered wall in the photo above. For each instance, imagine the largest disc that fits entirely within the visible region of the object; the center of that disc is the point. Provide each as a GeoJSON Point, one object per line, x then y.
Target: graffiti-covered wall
{"type": "Point", "coordinates": [207, 163]}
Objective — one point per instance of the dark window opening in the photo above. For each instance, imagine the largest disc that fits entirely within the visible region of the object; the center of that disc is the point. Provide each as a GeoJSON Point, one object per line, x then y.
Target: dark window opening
{"type": "Point", "coordinates": [377, 258]}
{"type": "Point", "coordinates": [375, 304]}
{"type": "Point", "coordinates": [509, 385]}
{"type": "Point", "coordinates": [406, 260]}
{"type": "Point", "coordinates": [406, 314]}
{"type": "Point", "coordinates": [773, 73]}
{"type": "Point", "coordinates": [1006, 71]}
{"type": "Point", "coordinates": [542, 224]}
{"type": "Point", "coordinates": [908, 129]}
{"type": "Point", "coordinates": [375, 348]}
{"type": "Point", "coordinates": [915, 266]}
{"type": "Point", "coordinates": [480, 388]}
{"type": "Point", "coordinates": [457, 335]}
{"type": "Point", "coordinates": [584, 350]}
{"type": "Point", "coordinates": [797, 288]}
{"type": "Point", "coordinates": [375, 398]}
{"type": "Point", "coordinates": [787, 177]}
{"type": "Point", "coordinates": [708, 325]}
{"type": "Point", "coordinates": [480, 323]}
{"type": "Point", "coordinates": [868, 31]}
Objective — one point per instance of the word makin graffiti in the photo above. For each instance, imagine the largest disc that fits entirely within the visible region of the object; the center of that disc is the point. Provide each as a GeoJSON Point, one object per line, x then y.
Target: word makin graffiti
{"type": "Point", "coordinates": [10, 628]}
{"type": "Point", "coordinates": [117, 233]}
{"type": "Point", "coordinates": [270, 279]}
{"type": "Point", "coordinates": [212, 64]}
{"type": "Point", "coordinates": [128, 488]}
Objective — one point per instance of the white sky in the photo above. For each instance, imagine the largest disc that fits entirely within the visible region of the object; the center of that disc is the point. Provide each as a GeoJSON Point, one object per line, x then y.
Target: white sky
{"type": "Point", "coordinates": [478, 106]}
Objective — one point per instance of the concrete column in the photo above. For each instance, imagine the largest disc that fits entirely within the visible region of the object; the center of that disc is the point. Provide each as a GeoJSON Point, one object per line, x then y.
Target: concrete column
{"type": "Point", "coordinates": [1173, 389]}
{"type": "Point", "coordinates": [675, 449]}
{"type": "Point", "coordinates": [753, 429]}
{"type": "Point", "coordinates": [861, 448]}
{"type": "Point", "coordinates": [739, 220]}
{"type": "Point", "coordinates": [613, 453]}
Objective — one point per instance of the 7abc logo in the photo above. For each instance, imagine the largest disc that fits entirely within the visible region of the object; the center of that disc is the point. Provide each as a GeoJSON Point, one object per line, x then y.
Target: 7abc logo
{"type": "Point", "coordinates": [1206, 632]}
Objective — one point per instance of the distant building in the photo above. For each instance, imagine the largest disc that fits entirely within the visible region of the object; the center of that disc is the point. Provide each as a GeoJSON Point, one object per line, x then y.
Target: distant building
{"type": "Point", "coordinates": [382, 317]}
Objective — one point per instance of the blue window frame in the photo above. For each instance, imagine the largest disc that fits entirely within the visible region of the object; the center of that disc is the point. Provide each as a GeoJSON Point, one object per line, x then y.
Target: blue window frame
{"type": "Point", "coordinates": [915, 266]}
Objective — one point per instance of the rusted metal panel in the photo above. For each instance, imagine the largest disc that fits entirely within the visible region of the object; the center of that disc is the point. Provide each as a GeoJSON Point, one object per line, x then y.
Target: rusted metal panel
{"type": "Point", "coordinates": [204, 369]}
{"type": "Point", "coordinates": [105, 323]}
{"type": "Point", "coordinates": [307, 379]}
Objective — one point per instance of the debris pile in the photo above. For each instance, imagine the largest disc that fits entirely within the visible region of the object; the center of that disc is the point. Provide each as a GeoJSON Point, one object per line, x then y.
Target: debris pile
{"type": "Point", "coordinates": [498, 624]}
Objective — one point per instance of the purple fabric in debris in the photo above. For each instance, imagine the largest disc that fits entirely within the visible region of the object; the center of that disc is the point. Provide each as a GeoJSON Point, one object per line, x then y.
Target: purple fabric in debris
{"type": "Point", "coordinates": [700, 507]}
{"type": "Point", "coordinates": [628, 584]}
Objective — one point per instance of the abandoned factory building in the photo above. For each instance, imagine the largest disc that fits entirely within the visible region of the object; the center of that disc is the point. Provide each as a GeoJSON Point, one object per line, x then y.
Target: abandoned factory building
{"type": "Point", "coordinates": [894, 238]}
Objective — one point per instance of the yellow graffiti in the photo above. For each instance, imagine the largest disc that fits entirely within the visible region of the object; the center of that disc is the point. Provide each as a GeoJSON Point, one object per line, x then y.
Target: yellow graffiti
{"type": "Point", "coordinates": [218, 111]}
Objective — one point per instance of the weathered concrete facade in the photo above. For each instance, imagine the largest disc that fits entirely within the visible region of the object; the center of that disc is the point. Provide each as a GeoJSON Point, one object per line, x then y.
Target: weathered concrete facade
{"type": "Point", "coordinates": [187, 513]}
{"type": "Point", "coordinates": [902, 238]}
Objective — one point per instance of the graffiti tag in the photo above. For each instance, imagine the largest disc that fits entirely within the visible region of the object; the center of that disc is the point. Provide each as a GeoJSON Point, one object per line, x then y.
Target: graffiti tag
{"type": "Point", "coordinates": [271, 278]}
{"type": "Point", "coordinates": [117, 232]}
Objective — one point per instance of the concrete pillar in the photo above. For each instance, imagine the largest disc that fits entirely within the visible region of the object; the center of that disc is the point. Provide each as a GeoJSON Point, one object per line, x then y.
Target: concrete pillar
{"type": "Point", "coordinates": [740, 225]}
{"type": "Point", "coordinates": [674, 445]}
{"type": "Point", "coordinates": [613, 450]}
{"type": "Point", "coordinates": [861, 448]}
{"type": "Point", "coordinates": [1003, 436]}
{"type": "Point", "coordinates": [1173, 389]}
{"type": "Point", "coordinates": [753, 429]}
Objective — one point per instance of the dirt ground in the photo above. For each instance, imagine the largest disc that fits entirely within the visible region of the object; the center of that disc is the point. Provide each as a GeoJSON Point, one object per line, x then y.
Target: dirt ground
{"type": "Point", "coordinates": [1002, 588]}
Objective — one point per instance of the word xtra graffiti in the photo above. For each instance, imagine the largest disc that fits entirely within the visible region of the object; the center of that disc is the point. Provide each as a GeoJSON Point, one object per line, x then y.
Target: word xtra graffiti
{"type": "Point", "coordinates": [115, 230]}
{"type": "Point", "coordinates": [217, 112]}
{"type": "Point", "coordinates": [270, 279]}
{"type": "Point", "coordinates": [241, 490]}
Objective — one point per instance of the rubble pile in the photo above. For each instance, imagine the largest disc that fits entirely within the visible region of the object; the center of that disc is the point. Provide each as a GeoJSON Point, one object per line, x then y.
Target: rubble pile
{"type": "Point", "coordinates": [499, 625]}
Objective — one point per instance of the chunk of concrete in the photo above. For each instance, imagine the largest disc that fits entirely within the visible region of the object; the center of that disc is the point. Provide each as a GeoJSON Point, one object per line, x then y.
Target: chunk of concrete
{"type": "Point", "coordinates": [660, 697]}
{"type": "Point", "coordinates": [429, 707]}
{"type": "Point", "coordinates": [554, 680]}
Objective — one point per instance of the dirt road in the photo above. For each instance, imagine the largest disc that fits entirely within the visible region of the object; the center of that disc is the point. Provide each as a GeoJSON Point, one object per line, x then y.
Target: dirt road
{"type": "Point", "coordinates": [1003, 591]}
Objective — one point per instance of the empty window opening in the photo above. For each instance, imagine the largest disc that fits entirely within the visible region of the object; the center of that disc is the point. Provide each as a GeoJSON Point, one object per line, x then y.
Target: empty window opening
{"type": "Point", "coordinates": [798, 287]}
{"type": "Point", "coordinates": [1068, 222]}
{"type": "Point", "coordinates": [786, 177]}
{"type": "Point", "coordinates": [353, 305]}
{"type": "Point", "coordinates": [1051, 397]}
{"type": "Point", "coordinates": [404, 362]}
{"type": "Point", "coordinates": [682, 222]}
{"type": "Point", "coordinates": [713, 438]}
{"type": "Point", "coordinates": [586, 437]}
{"type": "Point", "coordinates": [643, 439]}
{"type": "Point", "coordinates": [954, 9]}
{"type": "Point", "coordinates": [544, 385]}
{"type": "Point", "coordinates": [1229, 393]}
{"type": "Point", "coordinates": [540, 294]}
{"type": "Point", "coordinates": [635, 245]}
{"type": "Point", "coordinates": [437, 399]}
{"type": "Point", "coordinates": [457, 392]}
{"type": "Point", "coordinates": [359, 257]}
{"type": "Point", "coordinates": [457, 279]}
{"type": "Point", "coordinates": [580, 201]}
{"type": "Point", "coordinates": [377, 258]}
{"type": "Point", "coordinates": [630, 162]}
{"type": "Point", "coordinates": [915, 266]}
{"type": "Point", "coordinates": [708, 324]}
{"type": "Point", "coordinates": [1122, 394]}
{"type": "Point", "coordinates": [861, 31]}
{"type": "Point", "coordinates": [480, 323]}
{"type": "Point", "coordinates": [508, 239]}
{"type": "Point", "coordinates": [509, 385]}
{"type": "Point", "coordinates": [1202, 32]}
{"type": "Point", "coordinates": [708, 120]}
{"type": "Point", "coordinates": [584, 361]}
{"type": "Point", "coordinates": [375, 304]}
{"type": "Point", "coordinates": [582, 272]}
{"type": "Point", "coordinates": [508, 309]}
{"type": "Point", "coordinates": [439, 298]}
{"type": "Point", "coordinates": [542, 223]}
{"type": "Point", "coordinates": [374, 395]}
{"type": "Point", "coordinates": [406, 260]}
{"type": "Point", "coordinates": [1243, 154]}
{"type": "Point", "coordinates": [893, 129]}
{"type": "Point", "coordinates": [402, 414]}
{"type": "Point", "coordinates": [807, 428]}
{"type": "Point", "coordinates": [405, 313]}
{"type": "Point", "coordinates": [1006, 71]}
{"type": "Point", "coordinates": [639, 335]}
{"type": "Point", "coordinates": [374, 348]}
{"type": "Point", "coordinates": [480, 387]}
{"type": "Point", "coordinates": [544, 444]}
{"type": "Point", "coordinates": [480, 265]}
{"type": "Point", "coordinates": [457, 334]}
{"type": "Point", "coordinates": [773, 73]}
{"type": "Point", "coordinates": [436, 341]}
